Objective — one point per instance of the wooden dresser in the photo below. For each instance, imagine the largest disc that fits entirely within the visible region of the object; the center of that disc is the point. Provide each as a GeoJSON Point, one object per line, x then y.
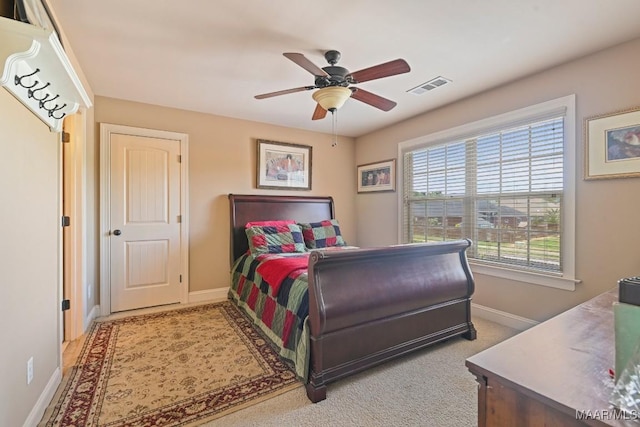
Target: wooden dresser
{"type": "Point", "coordinates": [554, 374]}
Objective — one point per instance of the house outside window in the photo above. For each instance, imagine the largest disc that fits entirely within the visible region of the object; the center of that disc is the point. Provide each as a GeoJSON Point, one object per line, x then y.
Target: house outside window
{"type": "Point", "coordinates": [506, 183]}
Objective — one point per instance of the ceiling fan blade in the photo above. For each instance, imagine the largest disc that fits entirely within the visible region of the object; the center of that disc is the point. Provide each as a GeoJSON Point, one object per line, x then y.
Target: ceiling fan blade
{"type": "Point", "coordinates": [372, 99]}
{"type": "Point", "coordinates": [391, 68]}
{"type": "Point", "coordinates": [284, 92]}
{"type": "Point", "coordinates": [302, 61]}
{"type": "Point", "coordinates": [319, 113]}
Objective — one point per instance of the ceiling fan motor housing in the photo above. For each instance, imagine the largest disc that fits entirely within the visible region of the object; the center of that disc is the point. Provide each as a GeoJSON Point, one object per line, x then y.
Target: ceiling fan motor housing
{"type": "Point", "coordinates": [337, 77]}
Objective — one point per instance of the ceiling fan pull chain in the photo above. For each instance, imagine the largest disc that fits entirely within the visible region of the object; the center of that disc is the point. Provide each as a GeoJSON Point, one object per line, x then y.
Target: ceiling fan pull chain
{"type": "Point", "coordinates": [334, 126]}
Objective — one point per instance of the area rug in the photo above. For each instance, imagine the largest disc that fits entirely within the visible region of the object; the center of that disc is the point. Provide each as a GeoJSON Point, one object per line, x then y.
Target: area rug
{"type": "Point", "coordinates": [180, 367]}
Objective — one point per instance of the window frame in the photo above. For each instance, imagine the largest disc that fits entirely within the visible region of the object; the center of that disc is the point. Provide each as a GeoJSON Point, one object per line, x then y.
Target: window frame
{"type": "Point", "coordinates": [561, 106]}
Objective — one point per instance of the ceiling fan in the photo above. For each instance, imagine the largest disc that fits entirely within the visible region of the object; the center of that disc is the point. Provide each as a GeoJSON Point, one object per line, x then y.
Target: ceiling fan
{"type": "Point", "coordinates": [334, 83]}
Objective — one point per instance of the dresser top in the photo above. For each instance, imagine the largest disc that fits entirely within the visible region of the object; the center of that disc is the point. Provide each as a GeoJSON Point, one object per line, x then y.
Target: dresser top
{"type": "Point", "coordinates": [563, 362]}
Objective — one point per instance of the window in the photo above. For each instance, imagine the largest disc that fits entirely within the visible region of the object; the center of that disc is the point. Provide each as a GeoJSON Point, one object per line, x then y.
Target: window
{"type": "Point", "coordinates": [506, 183]}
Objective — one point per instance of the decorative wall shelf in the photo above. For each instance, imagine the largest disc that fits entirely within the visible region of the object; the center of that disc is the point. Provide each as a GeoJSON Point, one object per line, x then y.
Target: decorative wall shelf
{"type": "Point", "coordinates": [37, 71]}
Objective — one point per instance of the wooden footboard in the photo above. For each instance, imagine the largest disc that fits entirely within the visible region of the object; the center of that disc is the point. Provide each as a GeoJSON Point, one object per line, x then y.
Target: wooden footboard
{"type": "Point", "coordinates": [368, 306]}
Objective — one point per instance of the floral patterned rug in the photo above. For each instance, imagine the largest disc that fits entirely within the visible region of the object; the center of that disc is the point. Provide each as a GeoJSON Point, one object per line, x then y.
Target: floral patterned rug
{"type": "Point", "coordinates": [181, 367]}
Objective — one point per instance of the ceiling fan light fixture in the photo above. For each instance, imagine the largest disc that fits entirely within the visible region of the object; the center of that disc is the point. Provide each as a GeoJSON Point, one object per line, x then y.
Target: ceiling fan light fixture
{"type": "Point", "coordinates": [332, 98]}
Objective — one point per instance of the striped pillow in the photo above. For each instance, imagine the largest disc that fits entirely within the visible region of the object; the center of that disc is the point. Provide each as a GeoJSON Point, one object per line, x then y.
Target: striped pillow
{"type": "Point", "coordinates": [275, 239]}
{"type": "Point", "coordinates": [323, 234]}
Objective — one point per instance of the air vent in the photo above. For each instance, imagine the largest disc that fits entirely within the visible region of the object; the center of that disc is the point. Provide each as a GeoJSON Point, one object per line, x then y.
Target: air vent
{"type": "Point", "coordinates": [430, 85]}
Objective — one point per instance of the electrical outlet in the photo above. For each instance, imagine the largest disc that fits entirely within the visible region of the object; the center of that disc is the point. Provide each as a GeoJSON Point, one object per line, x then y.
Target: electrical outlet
{"type": "Point", "coordinates": [29, 370]}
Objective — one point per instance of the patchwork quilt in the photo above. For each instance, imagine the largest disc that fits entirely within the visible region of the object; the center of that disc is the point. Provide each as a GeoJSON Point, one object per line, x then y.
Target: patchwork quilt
{"type": "Point", "coordinates": [279, 310]}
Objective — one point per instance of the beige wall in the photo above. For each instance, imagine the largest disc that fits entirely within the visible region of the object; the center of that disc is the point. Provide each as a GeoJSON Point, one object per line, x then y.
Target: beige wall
{"type": "Point", "coordinates": [29, 258]}
{"type": "Point", "coordinates": [222, 158]}
{"type": "Point", "coordinates": [607, 227]}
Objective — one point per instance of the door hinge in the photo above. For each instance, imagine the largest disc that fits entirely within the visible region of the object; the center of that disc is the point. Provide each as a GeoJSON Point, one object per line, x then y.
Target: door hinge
{"type": "Point", "coordinates": [66, 304]}
{"type": "Point", "coordinates": [66, 221]}
{"type": "Point", "coordinates": [179, 158]}
{"type": "Point", "coordinates": [181, 278]}
{"type": "Point", "coordinates": [66, 136]}
{"type": "Point", "coordinates": [179, 219]}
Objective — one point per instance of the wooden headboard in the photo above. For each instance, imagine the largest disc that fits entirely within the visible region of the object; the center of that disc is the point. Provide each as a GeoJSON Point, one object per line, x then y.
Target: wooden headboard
{"type": "Point", "coordinates": [246, 208]}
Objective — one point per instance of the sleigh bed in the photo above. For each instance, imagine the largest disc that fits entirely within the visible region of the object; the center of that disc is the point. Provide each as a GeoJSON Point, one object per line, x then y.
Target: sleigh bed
{"type": "Point", "coordinates": [349, 308]}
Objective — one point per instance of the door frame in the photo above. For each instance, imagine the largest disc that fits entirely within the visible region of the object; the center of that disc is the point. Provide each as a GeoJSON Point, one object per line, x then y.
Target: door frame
{"type": "Point", "coordinates": [106, 129]}
{"type": "Point", "coordinates": [74, 174]}
{"type": "Point", "coordinates": [72, 322]}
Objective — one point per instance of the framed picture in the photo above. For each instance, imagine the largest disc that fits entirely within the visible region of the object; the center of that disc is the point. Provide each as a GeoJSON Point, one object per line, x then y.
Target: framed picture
{"type": "Point", "coordinates": [612, 145]}
{"type": "Point", "coordinates": [283, 165]}
{"type": "Point", "coordinates": [380, 176]}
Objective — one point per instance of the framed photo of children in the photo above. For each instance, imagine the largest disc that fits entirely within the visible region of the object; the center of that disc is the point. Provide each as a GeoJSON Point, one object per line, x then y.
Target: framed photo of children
{"type": "Point", "coordinates": [283, 165]}
{"type": "Point", "coordinates": [374, 177]}
{"type": "Point", "coordinates": [613, 145]}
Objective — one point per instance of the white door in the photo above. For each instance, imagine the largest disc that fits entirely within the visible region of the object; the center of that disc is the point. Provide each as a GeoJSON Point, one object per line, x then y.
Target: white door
{"type": "Point", "coordinates": [144, 221]}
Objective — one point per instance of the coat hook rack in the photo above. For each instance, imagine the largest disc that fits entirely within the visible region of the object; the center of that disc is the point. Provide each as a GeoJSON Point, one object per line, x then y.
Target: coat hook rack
{"type": "Point", "coordinates": [31, 56]}
{"type": "Point", "coordinates": [42, 100]}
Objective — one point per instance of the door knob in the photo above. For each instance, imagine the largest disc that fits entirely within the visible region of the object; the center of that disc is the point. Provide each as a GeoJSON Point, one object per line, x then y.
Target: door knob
{"type": "Point", "coordinates": [117, 232]}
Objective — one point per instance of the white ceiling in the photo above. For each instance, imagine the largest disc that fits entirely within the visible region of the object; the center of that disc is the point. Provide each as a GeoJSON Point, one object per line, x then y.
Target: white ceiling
{"type": "Point", "coordinates": [213, 56]}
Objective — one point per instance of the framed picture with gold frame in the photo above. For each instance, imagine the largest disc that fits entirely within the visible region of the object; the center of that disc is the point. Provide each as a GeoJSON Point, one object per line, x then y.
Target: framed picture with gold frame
{"type": "Point", "coordinates": [282, 165]}
{"type": "Point", "coordinates": [612, 145]}
{"type": "Point", "coordinates": [376, 177]}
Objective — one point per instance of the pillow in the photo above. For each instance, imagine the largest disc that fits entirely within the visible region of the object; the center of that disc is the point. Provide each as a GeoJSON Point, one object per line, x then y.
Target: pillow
{"type": "Point", "coordinates": [275, 239]}
{"type": "Point", "coordinates": [322, 234]}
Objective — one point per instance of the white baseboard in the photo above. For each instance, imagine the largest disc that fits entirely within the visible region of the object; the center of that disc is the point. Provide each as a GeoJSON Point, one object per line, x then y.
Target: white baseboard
{"type": "Point", "coordinates": [95, 312]}
{"type": "Point", "coordinates": [43, 401]}
{"type": "Point", "coordinates": [502, 317]}
{"type": "Point", "coordinates": [210, 295]}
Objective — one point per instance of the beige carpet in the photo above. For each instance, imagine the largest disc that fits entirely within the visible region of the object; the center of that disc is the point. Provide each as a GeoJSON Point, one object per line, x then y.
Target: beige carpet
{"type": "Point", "coordinates": [430, 388]}
{"type": "Point", "coordinates": [174, 368]}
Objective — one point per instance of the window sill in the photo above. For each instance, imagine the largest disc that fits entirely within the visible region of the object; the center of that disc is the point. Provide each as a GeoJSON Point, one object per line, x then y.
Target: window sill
{"type": "Point", "coordinates": [548, 280]}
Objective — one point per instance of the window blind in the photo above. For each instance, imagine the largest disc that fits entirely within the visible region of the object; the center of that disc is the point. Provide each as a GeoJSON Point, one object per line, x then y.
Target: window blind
{"type": "Point", "coordinates": [502, 189]}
